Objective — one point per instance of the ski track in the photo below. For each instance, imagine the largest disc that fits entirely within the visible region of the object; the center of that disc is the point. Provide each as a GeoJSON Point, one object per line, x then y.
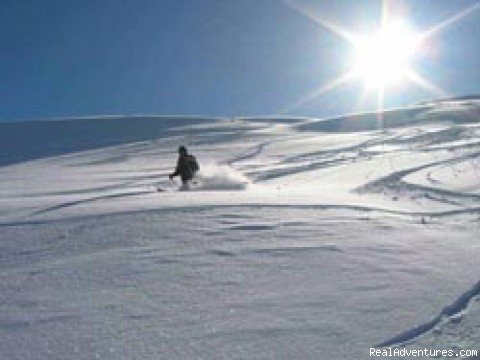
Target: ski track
{"type": "Point", "coordinates": [250, 154]}
{"type": "Point", "coordinates": [356, 209]}
{"type": "Point", "coordinates": [89, 200]}
{"type": "Point", "coordinates": [447, 314]}
{"type": "Point", "coordinates": [394, 181]}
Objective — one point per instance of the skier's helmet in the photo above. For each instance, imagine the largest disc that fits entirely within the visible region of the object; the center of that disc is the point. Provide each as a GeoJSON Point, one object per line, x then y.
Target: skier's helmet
{"type": "Point", "coordinates": [182, 150]}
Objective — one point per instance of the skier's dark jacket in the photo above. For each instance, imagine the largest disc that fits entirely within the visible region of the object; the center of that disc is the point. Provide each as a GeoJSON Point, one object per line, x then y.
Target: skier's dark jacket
{"type": "Point", "coordinates": [187, 166]}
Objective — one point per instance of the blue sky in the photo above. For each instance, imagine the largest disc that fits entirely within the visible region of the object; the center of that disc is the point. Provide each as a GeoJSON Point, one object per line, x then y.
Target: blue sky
{"type": "Point", "coordinates": [207, 57]}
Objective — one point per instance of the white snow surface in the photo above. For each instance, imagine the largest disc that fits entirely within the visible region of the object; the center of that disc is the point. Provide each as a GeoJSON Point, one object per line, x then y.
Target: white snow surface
{"type": "Point", "coordinates": [301, 239]}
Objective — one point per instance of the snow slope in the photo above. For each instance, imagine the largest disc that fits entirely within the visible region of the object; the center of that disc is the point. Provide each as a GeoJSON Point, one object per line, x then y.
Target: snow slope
{"type": "Point", "coordinates": [304, 238]}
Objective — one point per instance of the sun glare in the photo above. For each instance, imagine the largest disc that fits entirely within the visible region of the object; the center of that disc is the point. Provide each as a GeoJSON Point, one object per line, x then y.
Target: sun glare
{"type": "Point", "coordinates": [384, 58]}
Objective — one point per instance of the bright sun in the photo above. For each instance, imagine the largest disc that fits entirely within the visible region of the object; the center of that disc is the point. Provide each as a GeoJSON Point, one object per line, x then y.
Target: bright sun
{"type": "Point", "coordinates": [384, 58]}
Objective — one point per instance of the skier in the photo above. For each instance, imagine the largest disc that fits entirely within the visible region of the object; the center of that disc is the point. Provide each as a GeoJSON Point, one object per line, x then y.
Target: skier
{"type": "Point", "coordinates": [187, 167]}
